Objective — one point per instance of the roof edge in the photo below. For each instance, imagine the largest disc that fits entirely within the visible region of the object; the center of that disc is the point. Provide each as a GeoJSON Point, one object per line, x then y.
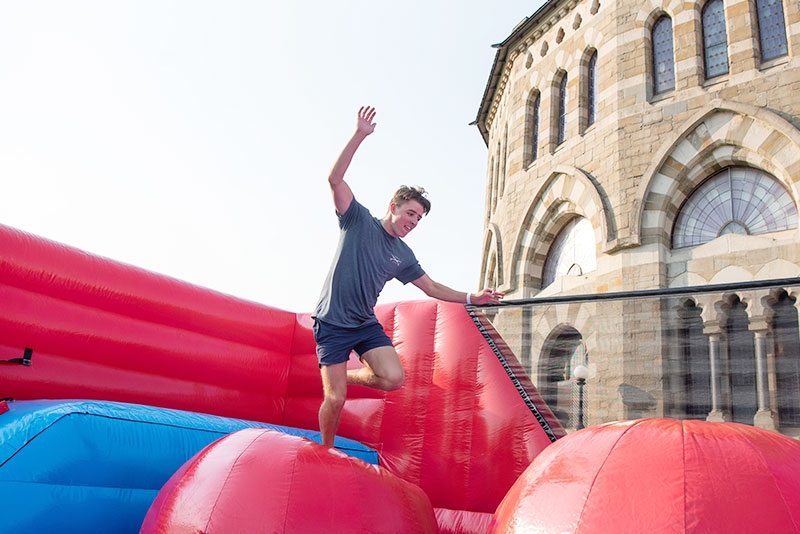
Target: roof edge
{"type": "Point", "coordinates": [499, 64]}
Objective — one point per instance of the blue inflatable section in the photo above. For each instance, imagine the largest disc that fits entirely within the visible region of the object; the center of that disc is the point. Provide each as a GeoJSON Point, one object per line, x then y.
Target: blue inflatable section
{"type": "Point", "coordinates": [89, 466]}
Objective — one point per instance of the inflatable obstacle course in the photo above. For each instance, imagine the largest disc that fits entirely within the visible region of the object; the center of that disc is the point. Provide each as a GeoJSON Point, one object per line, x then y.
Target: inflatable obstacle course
{"type": "Point", "coordinates": [258, 480]}
{"type": "Point", "coordinates": [97, 329]}
{"type": "Point", "coordinates": [90, 466]}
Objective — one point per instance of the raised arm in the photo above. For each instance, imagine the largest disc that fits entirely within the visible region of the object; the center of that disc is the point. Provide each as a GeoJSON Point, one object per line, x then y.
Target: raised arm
{"type": "Point", "coordinates": [442, 292]}
{"type": "Point", "coordinates": [342, 194]}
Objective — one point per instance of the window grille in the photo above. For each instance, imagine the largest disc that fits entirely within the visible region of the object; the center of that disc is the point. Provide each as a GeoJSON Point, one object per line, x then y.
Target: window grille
{"type": "Point", "coordinates": [591, 90]}
{"type": "Point", "coordinates": [736, 200]}
{"type": "Point", "coordinates": [715, 39]}
{"type": "Point", "coordinates": [771, 29]}
{"type": "Point", "coordinates": [663, 56]}
{"type": "Point", "coordinates": [535, 128]}
{"type": "Point", "coordinates": [562, 110]}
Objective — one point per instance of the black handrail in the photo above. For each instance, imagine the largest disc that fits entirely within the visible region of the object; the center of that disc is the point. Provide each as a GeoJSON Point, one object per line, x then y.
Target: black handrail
{"type": "Point", "coordinates": [649, 293]}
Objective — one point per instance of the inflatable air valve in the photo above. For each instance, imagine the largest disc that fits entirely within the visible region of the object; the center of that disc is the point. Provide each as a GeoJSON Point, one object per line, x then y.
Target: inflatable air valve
{"type": "Point", "coordinates": [25, 360]}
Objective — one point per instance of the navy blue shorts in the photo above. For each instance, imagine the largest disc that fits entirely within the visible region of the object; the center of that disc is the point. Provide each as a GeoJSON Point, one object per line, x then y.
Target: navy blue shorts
{"type": "Point", "coordinates": [335, 343]}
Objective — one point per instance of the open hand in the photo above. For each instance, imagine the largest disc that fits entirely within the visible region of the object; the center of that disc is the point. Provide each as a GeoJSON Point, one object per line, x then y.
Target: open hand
{"type": "Point", "coordinates": [486, 296]}
{"type": "Point", "coordinates": [366, 114]}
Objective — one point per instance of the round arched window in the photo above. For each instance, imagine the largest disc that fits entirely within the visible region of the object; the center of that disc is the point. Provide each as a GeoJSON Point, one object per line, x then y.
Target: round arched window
{"type": "Point", "coordinates": [737, 200]}
{"type": "Point", "coordinates": [572, 252]}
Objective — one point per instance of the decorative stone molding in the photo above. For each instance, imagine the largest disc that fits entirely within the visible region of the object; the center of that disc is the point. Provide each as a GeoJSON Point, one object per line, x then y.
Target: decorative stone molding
{"type": "Point", "coordinates": [521, 46]}
{"type": "Point", "coordinates": [568, 191]}
{"type": "Point", "coordinates": [718, 135]}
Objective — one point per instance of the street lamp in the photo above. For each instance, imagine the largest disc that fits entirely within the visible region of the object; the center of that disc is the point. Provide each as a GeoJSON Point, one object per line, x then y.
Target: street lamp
{"type": "Point", "coordinates": [581, 373]}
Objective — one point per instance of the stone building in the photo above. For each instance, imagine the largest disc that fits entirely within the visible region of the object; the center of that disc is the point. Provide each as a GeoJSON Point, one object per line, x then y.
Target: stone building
{"type": "Point", "coordinates": [642, 146]}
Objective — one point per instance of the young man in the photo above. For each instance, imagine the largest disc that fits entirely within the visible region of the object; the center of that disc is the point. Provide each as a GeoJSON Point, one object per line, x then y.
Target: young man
{"type": "Point", "coordinates": [370, 253]}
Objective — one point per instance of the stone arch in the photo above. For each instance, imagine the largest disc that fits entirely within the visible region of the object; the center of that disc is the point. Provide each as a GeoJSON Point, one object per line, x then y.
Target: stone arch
{"type": "Point", "coordinates": [778, 268]}
{"type": "Point", "coordinates": [563, 349]}
{"type": "Point", "coordinates": [492, 268]}
{"type": "Point", "coordinates": [568, 192]}
{"type": "Point", "coordinates": [731, 274]}
{"type": "Point", "coordinates": [774, 295]}
{"type": "Point", "coordinates": [723, 134]}
{"type": "Point", "coordinates": [583, 87]}
{"type": "Point", "coordinates": [652, 11]}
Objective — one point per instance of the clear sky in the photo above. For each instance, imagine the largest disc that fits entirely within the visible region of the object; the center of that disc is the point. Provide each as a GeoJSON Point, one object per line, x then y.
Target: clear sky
{"type": "Point", "coordinates": [194, 138]}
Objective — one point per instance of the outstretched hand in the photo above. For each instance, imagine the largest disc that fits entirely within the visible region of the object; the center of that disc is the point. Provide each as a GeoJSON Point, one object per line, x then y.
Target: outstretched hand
{"type": "Point", "coordinates": [366, 114]}
{"type": "Point", "coordinates": [486, 296]}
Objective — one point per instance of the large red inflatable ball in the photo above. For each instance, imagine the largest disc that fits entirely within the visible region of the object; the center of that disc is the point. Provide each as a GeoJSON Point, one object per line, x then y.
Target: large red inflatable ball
{"type": "Point", "coordinates": [258, 480]}
{"type": "Point", "coordinates": [658, 475]}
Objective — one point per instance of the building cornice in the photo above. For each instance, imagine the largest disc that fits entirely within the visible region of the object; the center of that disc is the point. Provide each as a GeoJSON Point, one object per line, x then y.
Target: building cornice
{"type": "Point", "coordinates": [522, 37]}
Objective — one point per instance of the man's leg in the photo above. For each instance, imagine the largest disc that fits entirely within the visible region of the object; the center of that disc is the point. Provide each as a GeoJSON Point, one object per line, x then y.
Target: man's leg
{"type": "Point", "coordinates": [334, 391]}
{"type": "Point", "coordinates": [382, 370]}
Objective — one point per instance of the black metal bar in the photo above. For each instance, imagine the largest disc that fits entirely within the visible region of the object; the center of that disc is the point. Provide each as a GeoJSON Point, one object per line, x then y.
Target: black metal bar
{"type": "Point", "coordinates": [648, 293]}
{"type": "Point", "coordinates": [581, 383]}
{"type": "Point", "coordinates": [526, 398]}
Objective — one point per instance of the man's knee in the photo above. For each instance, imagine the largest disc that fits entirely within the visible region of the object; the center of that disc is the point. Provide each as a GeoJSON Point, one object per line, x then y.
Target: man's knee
{"type": "Point", "coordinates": [332, 405]}
{"type": "Point", "coordinates": [395, 378]}
{"type": "Point", "coordinates": [334, 387]}
{"type": "Point", "coordinates": [385, 367]}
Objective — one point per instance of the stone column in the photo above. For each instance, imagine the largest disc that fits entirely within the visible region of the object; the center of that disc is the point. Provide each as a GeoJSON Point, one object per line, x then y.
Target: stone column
{"type": "Point", "coordinates": [759, 326]}
{"type": "Point", "coordinates": [716, 413]}
{"type": "Point", "coordinates": [711, 327]}
{"type": "Point", "coordinates": [764, 418]}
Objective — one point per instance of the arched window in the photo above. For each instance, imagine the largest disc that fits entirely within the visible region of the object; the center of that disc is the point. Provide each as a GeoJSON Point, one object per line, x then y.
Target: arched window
{"type": "Point", "coordinates": [572, 252]}
{"type": "Point", "coordinates": [503, 155]}
{"type": "Point", "coordinates": [591, 90]}
{"type": "Point", "coordinates": [663, 56]}
{"type": "Point", "coordinates": [771, 29]}
{"type": "Point", "coordinates": [737, 200]}
{"type": "Point", "coordinates": [490, 184]}
{"type": "Point", "coordinates": [785, 329]}
{"type": "Point", "coordinates": [562, 110]}
{"type": "Point", "coordinates": [695, 377]}
{"type": "Point", "coordinates": [495, 177]}
{"type": "Point", "coordinates": [741, 363]}
{"type": "Point", "coordinates": [715, 39]}
{"type": "Point", "coordinates": [534, 126]}
{"type": "Point", "coordinates": [562, 352]}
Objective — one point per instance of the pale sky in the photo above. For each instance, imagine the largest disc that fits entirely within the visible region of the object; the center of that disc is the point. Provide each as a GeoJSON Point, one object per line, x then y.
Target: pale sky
{"type": "Point", "coordinates": [194, 138]}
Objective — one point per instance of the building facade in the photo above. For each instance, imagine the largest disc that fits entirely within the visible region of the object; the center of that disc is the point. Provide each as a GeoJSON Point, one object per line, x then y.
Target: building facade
{"type": "Point", "coordinates": [639, 146]}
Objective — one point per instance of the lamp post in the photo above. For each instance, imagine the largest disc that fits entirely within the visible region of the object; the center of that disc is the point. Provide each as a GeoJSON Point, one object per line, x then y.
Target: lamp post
{"type": "Point", "coordinates": [581, 373]}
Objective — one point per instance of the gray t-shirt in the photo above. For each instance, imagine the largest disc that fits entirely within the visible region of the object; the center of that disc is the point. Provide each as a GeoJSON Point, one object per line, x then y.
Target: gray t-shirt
{"type": "Point", "coordinates": [367, 257]}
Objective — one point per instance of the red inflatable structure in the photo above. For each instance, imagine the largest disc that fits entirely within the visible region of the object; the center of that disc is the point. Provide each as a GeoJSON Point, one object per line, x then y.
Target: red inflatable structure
{"type": "Point", "coordinates": [659, 475]}
{"type": "Point", "coordinates": [254, 478]}
{"type": "Point", "coordinates": [466, 446]}
{"type": "Point", "coordinates": [91, 328]}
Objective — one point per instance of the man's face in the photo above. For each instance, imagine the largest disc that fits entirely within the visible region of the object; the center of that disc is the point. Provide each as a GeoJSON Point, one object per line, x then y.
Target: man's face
{"type": "Point", "coordinates": [405, 217]}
